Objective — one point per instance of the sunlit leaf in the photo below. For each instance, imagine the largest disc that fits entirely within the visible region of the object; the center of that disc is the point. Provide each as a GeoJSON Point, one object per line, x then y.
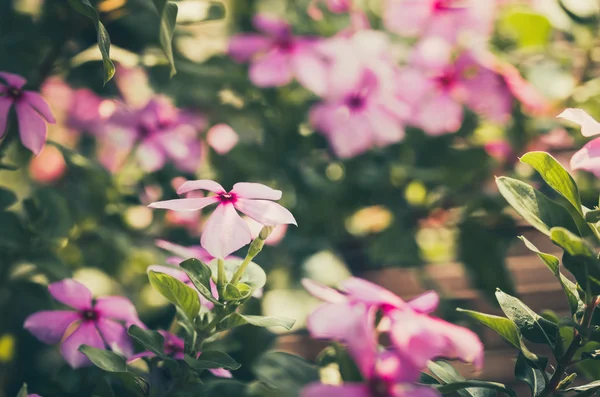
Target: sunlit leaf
{"type": "Point", "coordinates": [176, 292]}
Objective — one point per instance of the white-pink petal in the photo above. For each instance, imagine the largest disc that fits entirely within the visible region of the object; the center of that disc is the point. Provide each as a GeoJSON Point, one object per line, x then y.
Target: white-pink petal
{"type": "Point", "coordinates": [72, 293]}
{"type": "Point", "coordinates": [202, 184]}
{"type": "Point", "coordinates": [265, 212]}
{"type": "Point", "coordinates": [222, 138]}
{"type": "Point", "coordinates": [323, 292]}
{"type": "Point", "coordinates": [187, 204]}
{"type": "Point", "coordinates": [225, 232]}
{"type": "Point", "coordinates": [588, 158]}
{"type": "Point", "coordinates": [589, 126]}
{"type": "Point", "coordinates": [250, 190]}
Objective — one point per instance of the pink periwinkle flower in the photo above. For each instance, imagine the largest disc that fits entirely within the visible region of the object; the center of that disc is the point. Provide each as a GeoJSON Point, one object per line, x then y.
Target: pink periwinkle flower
{"type": "Point", "coordinates": [225, 231]}
{"type": "Point", "coordinates": [222, 138]}
{"type": "Point", "coordinates": [101, 323]}
{"type": "Point", "coordinates": [450, 19]}
{"type": "Point", "coordinates": [588, 157]}
{"type": "Point", "coordinates": [32, 111]}
{"type": "Point", "coordinates": [415, 335]}
{"type": "Point", "coordinates": [158, 132]}
{"type": "Point", "coordinates": [359, 109]}
{"type": "Point", "coordinates": [438, 94]}
{"type": "Point", "coordinates": [277, 56]}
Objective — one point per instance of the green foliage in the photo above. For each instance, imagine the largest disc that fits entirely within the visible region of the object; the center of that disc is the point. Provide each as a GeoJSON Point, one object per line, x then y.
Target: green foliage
{"type": "Point", "coordinates": [167, 12]}
{"type": "Point", "coordinates": [255, 277]}
{"type": "Point", "coordinates": [452, 381]}
{"type": "Point", "coordinates": [284, 372]}
{"type": "Point", "coordinates": [535, 378]}
{"type": "Point", "coordinates": [236, 319]}
{"type": "Point", "coordinates": [104, 359]}
{"type": "Point", "coordinates": [176, 292]}
{"type": "Point", "coordinates": [211, 359]}
{"type": "Point", "coordinates": [151, 340]}
{"type": "Point", "coordinates": [199, 274]}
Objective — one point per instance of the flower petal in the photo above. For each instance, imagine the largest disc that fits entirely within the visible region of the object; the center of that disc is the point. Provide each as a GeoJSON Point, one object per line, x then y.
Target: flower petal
{"type": "Point", "coordinates": [202, 184]}
{"type": "Point", "coordinates": [194, 251]}
{"type": "Point", "coordinates": [440, 115]}
{"type": "Point", "coordinates": [221, 372]}
{"type": "Point", "coordinates": [310, 71]}
{"type": "Point", "coordinates": [32, 127]}
{"type": "Point", "coordinates": [323, 292]}
{"type": "Point", "coordinates": [426, 302]}
{"type": "Point", "coordinates": [271, 25]}
{"type": "Point", "coordinates": [37, 102]}
{"type": "Point", "coordinates": [85, 334]}
{"type": "Point", "coordinates": [250, 190]}
{"type": "Point", "coordinates": [243, 47]}
{"type": "Point", "coordinates": [589, 126]}
{"type": "Point", "coordinates": [222, 138]}
{"type": "Point", "coordinates": [371, 294]}
{"type": "Point", "coordinates": [71, 293]}
{"type": "Point", "coordinates": [407, 17]}
{"type": "Point", "coordinates": [225, 232]}
{"type": "Point", "coordinates": [171, 271]}
{"type": "Point", "coordinates": [13, 80]}
{"type": "Point", "coordinates": [50, 326]}
{"type": "Point", "coordinates": [588, 158]}
{"type": "Point", "coordinates": [117, 308]}
{"type": "Point", "coordinates": [186, 204]}
{"type": "Point", "coordinates": [265, 212]}
{"type": "Point", "coordinates": [150, 156]}
{"type": "Point", "coordinates": [274, 69]}
{"type": "Point", "coordinates": [345, 390]}
{"type": "Point", "coordinates": [115, 335]}
{"type": "Point", "coordinates": [5, 104]}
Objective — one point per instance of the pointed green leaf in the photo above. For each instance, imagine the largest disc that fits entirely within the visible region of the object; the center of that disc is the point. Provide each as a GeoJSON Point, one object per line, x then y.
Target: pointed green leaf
{"type": "Point", "coordinates": [167, 12]}
{"type": "Point", "coordinates": [475, 384]}
{"type": "Point", "coordinates": [199, 274]}
{"type": "Point", "coordinates": [23, 391]}
{"type": "Point", "coordinates": [586, 390]}
{"type": "Point", "coordinates": [448, 375]}
{"type": "Point", "coordinates": [537, 209]}
{"type": "Point", "coordinates": [104, 359]}
{"type": "Point", "coordinates": [284, 372]}
{"type": "Point", "coordinates": [212, 359]}
{"type": "Point", "coordinates": [233, 292]}
{"type": "Point", "coordinates": [176, 292]}
{"type": "Point", "coordinates": [531, 325]}
{"type": "Point", "coordinates": [530, 375]}
{"type": "Point", "coordinates": [151, 340]}
{"type": "Point", "coordinates": [85, 8]}
{"type": "Point", "coordinates": [237, 319]}
{"type": "Point", "coordinates": [552, 263]}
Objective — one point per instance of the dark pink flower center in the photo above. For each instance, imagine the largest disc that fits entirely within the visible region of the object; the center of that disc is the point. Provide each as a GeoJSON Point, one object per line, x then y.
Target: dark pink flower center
{"type": "Point", "coordinates": [14, 93]}
{"type": "Point", "coordinates": [285, 44]}
{"type": "Point", "coordinates": [380, 388]}
{"type": "Point", "coordinates": [172, 349]}
{"type": "Point", "coordinates": [446, 80]}
{"type": "Point", "coordinates": [355, 102]}
{"type": "Point", "coordinates": [449, 5]}
{"type": "Point", "coordinates": [227, 198]}
{"type": "Point", "coordinates": [89, 315]}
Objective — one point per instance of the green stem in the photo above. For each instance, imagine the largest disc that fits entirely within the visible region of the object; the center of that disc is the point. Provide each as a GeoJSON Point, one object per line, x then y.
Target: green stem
{"type": "Point", "coordinates": [221, 278]}
{"type": "Point", "coordinates": [241, 270]}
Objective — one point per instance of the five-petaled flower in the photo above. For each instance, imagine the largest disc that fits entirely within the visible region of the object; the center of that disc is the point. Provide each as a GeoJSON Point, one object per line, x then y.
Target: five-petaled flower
{"type": "Point", "coordinates": [225, 231]}
{"type": "Point", "coordinates": [32, 111]}
{"type": "Point", "coordinates": [101, 323]}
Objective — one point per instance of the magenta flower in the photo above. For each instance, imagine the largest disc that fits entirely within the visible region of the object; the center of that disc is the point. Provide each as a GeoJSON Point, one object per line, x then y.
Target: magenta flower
{"type": "Point", "coordinates": [32, 111]}
{"type": "Point", "coordinates": [360, 109]}
{"type": "Point", "coordinates": [225, 231]}
{"type": "Point", "coordinates": [588, 157]}
{"type": "Point", "coordinates": [101, 323]}
{"type": "Point", "coordinates": [277, 56]}
{"type": "Point", "coordinates": [449, 19]}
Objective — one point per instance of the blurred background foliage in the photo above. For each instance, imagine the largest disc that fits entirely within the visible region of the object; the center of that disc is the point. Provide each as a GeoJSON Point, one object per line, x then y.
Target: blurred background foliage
{"type": "Point", "coordinates": [425, 200]}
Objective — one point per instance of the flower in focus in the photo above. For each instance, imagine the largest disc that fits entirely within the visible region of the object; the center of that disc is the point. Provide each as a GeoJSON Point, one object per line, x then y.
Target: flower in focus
{"type": "Point", "coordinates": [225, 231]}
{"type": "Point", "coordinates": [101, 323]}
{"type": "Point", "coordinates": [32, 111]}
{"type": "Point", "coordinates": [222, 138]}
{"type": "Point", "coordinates": [449, 19]}
{"type": "Point", "coordinates": [277, 56]}
{"type": "Point", "coordinates": [157, 132]}
{"type": "Point", "coordinates": [588, 157]}
{"type": "Point", "coordinates": [359, 109]}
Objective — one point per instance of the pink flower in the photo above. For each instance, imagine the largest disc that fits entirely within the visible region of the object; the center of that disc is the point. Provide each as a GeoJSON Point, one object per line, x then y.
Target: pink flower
{"type": "Point", "coordinates": [274, 238]}
{"type": "Point", "coordinates": [335, 6]}
{"type": "Point", "coordinates": [222, 138]}
{"type": "Point", "coordinates": [101, 323]}
{"type": "Point", "coordinates": [438, 95]}
{"type": "Point", "coordinates": [449, 19]}
{"type": "Point", "coordinates": [157, 132]}
{"type": "Point", "coordinates": [278, 56]}
{"type": "Point", "coordinates": [225, 231]}
{"type": "Point", "coordinates": [174, 347]}
{"type": "Point", "coordinates": [415, 335]}
{"type": "Point", "coordinates": [32, 111]}
{"type": "Point", "coordinates": [588, 157]}
{"type": "Point", "coordinates": [360, 109]}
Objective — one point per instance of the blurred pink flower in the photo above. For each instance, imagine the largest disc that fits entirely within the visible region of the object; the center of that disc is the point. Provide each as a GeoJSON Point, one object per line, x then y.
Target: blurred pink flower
{"type": "Point", "coordinates": [277, 56]}
{"type": "Point", "coordinates": [359, 109]}
{"type": "Point", "coordinates": [32, 111]}
{"type": "Point", "coordinates": [588, 157]}
{"type": "Point", "coordinates": [499, 150]}
{"type": "Point", "coordinates": [158, 132]}
{"type": "Point", "coordinates": [48, 166]}
{"type": "Point", "coordinates": [222, 138]}
{"type": "Point", "coordinates": [225, 231]}
{"type": "Point", "coordinates": [450, 19]}
{"type": "Point", "coordinates": [95, 322]}
{"type": "Point", "coordinates": [274, 238]}
{"type": "Point", "coordinates": [335, 6]}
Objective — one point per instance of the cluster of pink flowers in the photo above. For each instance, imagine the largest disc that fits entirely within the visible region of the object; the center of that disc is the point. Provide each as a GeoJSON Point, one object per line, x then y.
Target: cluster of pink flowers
{"type": "Point", "coordinates": [349, 316]}
{"type": "Point", "coordinates": [367, 97]}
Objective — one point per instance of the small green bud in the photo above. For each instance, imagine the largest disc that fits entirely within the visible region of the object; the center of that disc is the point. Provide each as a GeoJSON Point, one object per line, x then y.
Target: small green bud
{"type": "Point", "coordinates": [265, 232]}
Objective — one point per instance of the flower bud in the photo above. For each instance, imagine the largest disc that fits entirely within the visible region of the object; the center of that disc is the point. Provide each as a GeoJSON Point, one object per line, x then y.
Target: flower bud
{"type": "Point", "coordinates": [265, 232]}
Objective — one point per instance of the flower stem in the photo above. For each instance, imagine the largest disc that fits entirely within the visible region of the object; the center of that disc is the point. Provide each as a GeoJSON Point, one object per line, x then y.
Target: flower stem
{"type": "Point", "coordinates": [221, 278]}
{"type": "Point", "coordinates": [241, 270]}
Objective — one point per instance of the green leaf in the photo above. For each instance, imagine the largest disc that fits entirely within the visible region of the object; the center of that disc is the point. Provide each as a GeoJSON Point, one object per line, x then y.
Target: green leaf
{"type": "Point", "coordinates": [537, 209]}
{"type": "Point", "coordinates": [167, 12]}
{"type": "Point", "coordinates": [212, 359]}
{"type": "Point", "coordinates": [199, 274]}
{"type": "Point", "coordinates": [237, 319]}
{"type": "Point", "coordinates": [528, 28]}
{"type": "Point", "coordinates": [176, 292]}
{"type": "Point", "coordinates": [224, 388]}
{"type": "Point", "coordinates": [448, 375]}
{"type": "Point", "coordinates": [285, 372]}
{"type": "Point", "coordinates": [532, 376]}
{"type": "Point", "coordinates": [23, 391]}
{"type": "Point", "coordinates": [475, 384]}
{"type": "Point", "coordinates": [104, 359]}
{"type": "Point", "coordinates": [586, 390]}
{"type": "Point", "coordinates": [85, 8]}
{"type": "Point", "coordinates": [531, 325]}
{"type": "Point", "coordinates": [7, 198]}
{"type": "Point", "coordinates": [579, 258]}
{"type": "Point", "coordinates": [233, 292]}
{"type": "Point", "coordinates": [254, 276]}
{"type": "Point", "coordinates": [151, 340]}
{"type": "Point", "coordinates": [592, 216]}
{"type": "Point", "coordinates": [552, 263]}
